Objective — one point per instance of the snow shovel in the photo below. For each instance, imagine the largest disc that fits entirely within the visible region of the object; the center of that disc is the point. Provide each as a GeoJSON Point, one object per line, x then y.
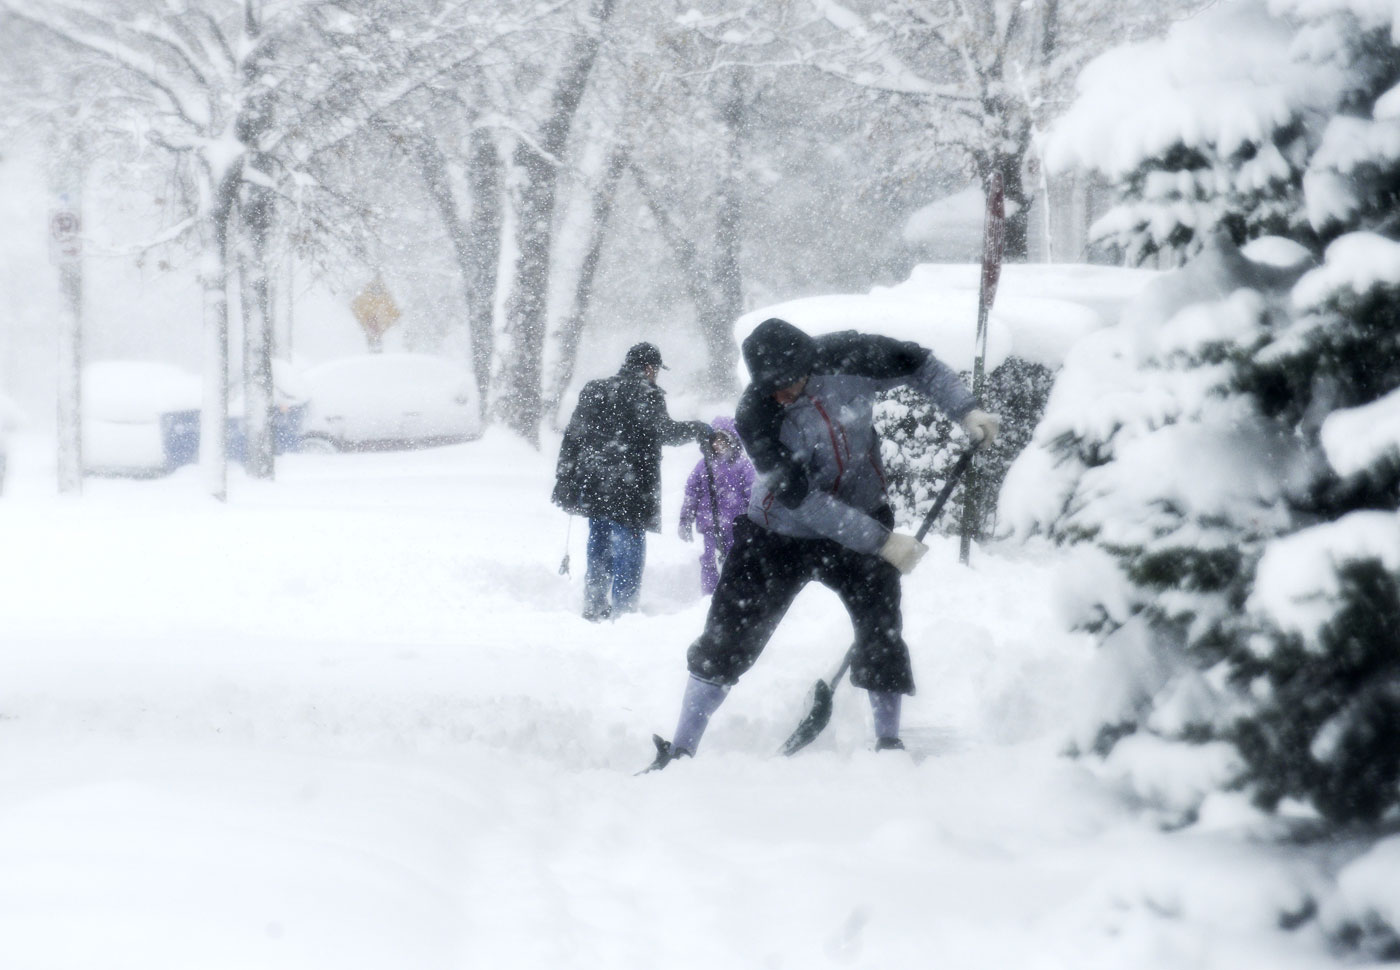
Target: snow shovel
{"type": "Point", "coordinates": [819, 707]}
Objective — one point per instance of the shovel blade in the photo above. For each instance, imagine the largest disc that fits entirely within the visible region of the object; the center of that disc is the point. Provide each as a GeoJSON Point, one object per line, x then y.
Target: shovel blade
{"type": "Point", "coordinates": [818, 715]}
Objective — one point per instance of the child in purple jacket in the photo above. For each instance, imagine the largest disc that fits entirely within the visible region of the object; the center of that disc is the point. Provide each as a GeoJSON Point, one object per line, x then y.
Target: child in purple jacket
{"type": "Point", "coordinates": [715, 497]}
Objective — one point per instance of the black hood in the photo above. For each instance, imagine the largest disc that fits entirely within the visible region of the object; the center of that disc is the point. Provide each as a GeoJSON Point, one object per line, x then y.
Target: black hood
{"type": "Point", "coordinates": [777, 353]}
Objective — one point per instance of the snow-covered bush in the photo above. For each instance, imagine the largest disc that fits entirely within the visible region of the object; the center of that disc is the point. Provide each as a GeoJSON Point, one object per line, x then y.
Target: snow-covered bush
{"type": "Point", "coordinates": [919, 444]}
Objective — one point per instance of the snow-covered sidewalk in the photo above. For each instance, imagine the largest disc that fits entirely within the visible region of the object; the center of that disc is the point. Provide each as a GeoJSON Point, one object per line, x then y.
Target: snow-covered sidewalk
{"type": "Point", "coordinates": [353, 720]}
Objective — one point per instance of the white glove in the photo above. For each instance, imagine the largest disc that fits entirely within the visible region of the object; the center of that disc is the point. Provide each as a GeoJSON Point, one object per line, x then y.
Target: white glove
{"type": "Point", "coordinates": [981, 427]}
{"type": "Point", "coordinates": [902, 552]}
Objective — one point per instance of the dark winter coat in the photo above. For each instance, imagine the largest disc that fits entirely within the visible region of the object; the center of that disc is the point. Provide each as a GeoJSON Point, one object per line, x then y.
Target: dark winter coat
{"type": "Point", "coordinates": [610, 461]}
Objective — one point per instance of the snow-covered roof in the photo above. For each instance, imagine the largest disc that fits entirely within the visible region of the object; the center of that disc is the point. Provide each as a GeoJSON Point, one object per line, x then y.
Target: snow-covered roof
{"type": "Point", "coordinates": [137, 391]}
{"type": "Point", "coordinates": [960, 214]}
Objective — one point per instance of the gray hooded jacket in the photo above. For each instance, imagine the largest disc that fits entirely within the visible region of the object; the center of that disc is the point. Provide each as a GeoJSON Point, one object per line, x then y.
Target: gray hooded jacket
{"type": "Point", "coordinates": [827, 438]}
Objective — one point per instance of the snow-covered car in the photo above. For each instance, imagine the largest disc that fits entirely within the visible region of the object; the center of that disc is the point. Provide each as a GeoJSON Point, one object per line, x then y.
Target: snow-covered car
{"type": "Point", "coordinates": [389, 400]}
{"type": "Point", "coordinates": [123, 404]}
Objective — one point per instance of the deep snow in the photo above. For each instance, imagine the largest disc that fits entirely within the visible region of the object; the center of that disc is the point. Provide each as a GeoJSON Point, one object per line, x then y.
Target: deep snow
{"type": "Point", "coordinates": [353, 720]}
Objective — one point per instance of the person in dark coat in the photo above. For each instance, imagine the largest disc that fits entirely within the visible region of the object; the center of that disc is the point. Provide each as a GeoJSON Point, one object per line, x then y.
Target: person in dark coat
{"type": "Point", "coordinates": [610, 471]}
{"type": "Point", "coordinates": [818, 511]}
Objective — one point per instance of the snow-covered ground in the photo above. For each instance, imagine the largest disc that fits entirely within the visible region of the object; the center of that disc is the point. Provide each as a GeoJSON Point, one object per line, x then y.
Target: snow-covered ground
{"type": "Point", "coordinates": [352, 719]}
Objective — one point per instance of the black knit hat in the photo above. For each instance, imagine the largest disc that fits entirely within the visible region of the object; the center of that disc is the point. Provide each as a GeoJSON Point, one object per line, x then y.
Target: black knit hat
{"type": "Point", "coordinates": [643, 355]}
{"type": "Point", "coordinates": [777, 354]}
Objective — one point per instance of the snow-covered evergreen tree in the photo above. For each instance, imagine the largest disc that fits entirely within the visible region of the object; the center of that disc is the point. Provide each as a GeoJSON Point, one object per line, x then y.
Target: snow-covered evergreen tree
{"type": "Point", "coordinates": [1223, 113]}
{"type": "Point", "coordinates": [1229, 457]}
{"type": "Point", "coordinates": [1324, 667]}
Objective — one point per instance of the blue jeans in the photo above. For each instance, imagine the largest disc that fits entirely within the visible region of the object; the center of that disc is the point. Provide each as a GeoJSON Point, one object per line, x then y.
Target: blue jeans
{"type": "Point", "coordinates": [616, 554]}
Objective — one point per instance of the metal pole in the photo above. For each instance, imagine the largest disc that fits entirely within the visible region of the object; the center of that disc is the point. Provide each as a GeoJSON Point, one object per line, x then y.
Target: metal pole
{"type": "Point", "coordinates": [993, 242]}
{"type": "Point", "coordinates": [70, 384]}
{"type": "Point", "coordinates": [66, 251]}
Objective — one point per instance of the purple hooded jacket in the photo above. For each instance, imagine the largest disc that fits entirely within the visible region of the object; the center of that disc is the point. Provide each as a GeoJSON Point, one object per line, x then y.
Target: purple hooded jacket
{"type": "Point", "coordinates": [733, 483]}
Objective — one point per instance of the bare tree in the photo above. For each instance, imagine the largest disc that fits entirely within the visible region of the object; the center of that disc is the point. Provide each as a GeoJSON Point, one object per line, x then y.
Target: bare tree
{"type": "Point", "coordinates": [187, 78]}
{"type": "Point", "coordinates": [207, 80]}
{"type": "Point", "coordinates": [570, 331]}
{"type": "Point", "coordinates": [537, 157]}
{"type": "Point", "coordinates": [474, 234]}
{"type": "Point", "coordinates": [694, 175]}
{"type": "Point", "coordinates": [972, 79]}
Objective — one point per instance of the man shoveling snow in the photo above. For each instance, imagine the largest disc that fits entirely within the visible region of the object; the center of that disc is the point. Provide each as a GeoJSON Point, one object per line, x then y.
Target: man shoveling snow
{"type": "Point", "coordinates": [818, 512]}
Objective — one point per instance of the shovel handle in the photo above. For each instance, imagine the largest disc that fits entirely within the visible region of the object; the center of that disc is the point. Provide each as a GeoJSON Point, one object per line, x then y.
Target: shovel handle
{"type": "Point", "coordinates": [957, 472]}
{"type": "Point", "coordinates": [845, 666]}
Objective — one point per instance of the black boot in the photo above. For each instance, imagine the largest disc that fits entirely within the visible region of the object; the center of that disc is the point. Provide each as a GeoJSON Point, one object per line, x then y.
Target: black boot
{"type": "Point", "coordinates": [665, 754]}
{"type": "Point", "coordinates": [889, 744]}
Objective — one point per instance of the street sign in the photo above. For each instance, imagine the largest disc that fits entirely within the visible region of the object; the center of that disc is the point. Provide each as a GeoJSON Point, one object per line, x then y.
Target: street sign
{"type": "Point", "coordinates": [65, 236]}
{"type": "Point", "coordinates": [375, 310]}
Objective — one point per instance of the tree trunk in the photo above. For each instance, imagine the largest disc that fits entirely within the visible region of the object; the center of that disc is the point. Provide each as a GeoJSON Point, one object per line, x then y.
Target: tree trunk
{"type": "Point", "coordinates": [714, 319]}
{"type": "Point", "coordinates": [475, 242]}
{"type": "Point", "coordinates": [1018, 207]}
{"type": "Point", "coordinates": [697, 283]}
{"type": "Point", "coordinates": [572, 328]}
{"type": "Point", "coordinates": [258, 400]}
{"type": "Point", "coordinates": [525, 309]}
{"type": "Point", "coordinates": [484, 255]}
{"type": "Point", "coordinates": [717, 324]}
{"type": "Point", "coordinates": [522, 395]}
{"type": "Point", "coordinates": [255, 225]}
{"type": "Point", "coordinates": [213, 417]}
{"type": "Point", "coordinates": [68, 173]}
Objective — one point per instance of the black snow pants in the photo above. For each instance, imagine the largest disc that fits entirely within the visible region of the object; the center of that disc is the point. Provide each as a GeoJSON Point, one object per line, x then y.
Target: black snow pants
{"type": "Point", "coordinates": [762, 575]}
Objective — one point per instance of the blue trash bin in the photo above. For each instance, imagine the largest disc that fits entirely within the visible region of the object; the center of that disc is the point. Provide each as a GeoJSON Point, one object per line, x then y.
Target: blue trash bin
{"type": "Point", "coordinates": [286, 428]}
{"type": "Point", "coordinates": [179, 431]}
{"type": "Point", "coordinates": [235, 439]}
{"type": "Point", "coordinates": [179, 435]}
